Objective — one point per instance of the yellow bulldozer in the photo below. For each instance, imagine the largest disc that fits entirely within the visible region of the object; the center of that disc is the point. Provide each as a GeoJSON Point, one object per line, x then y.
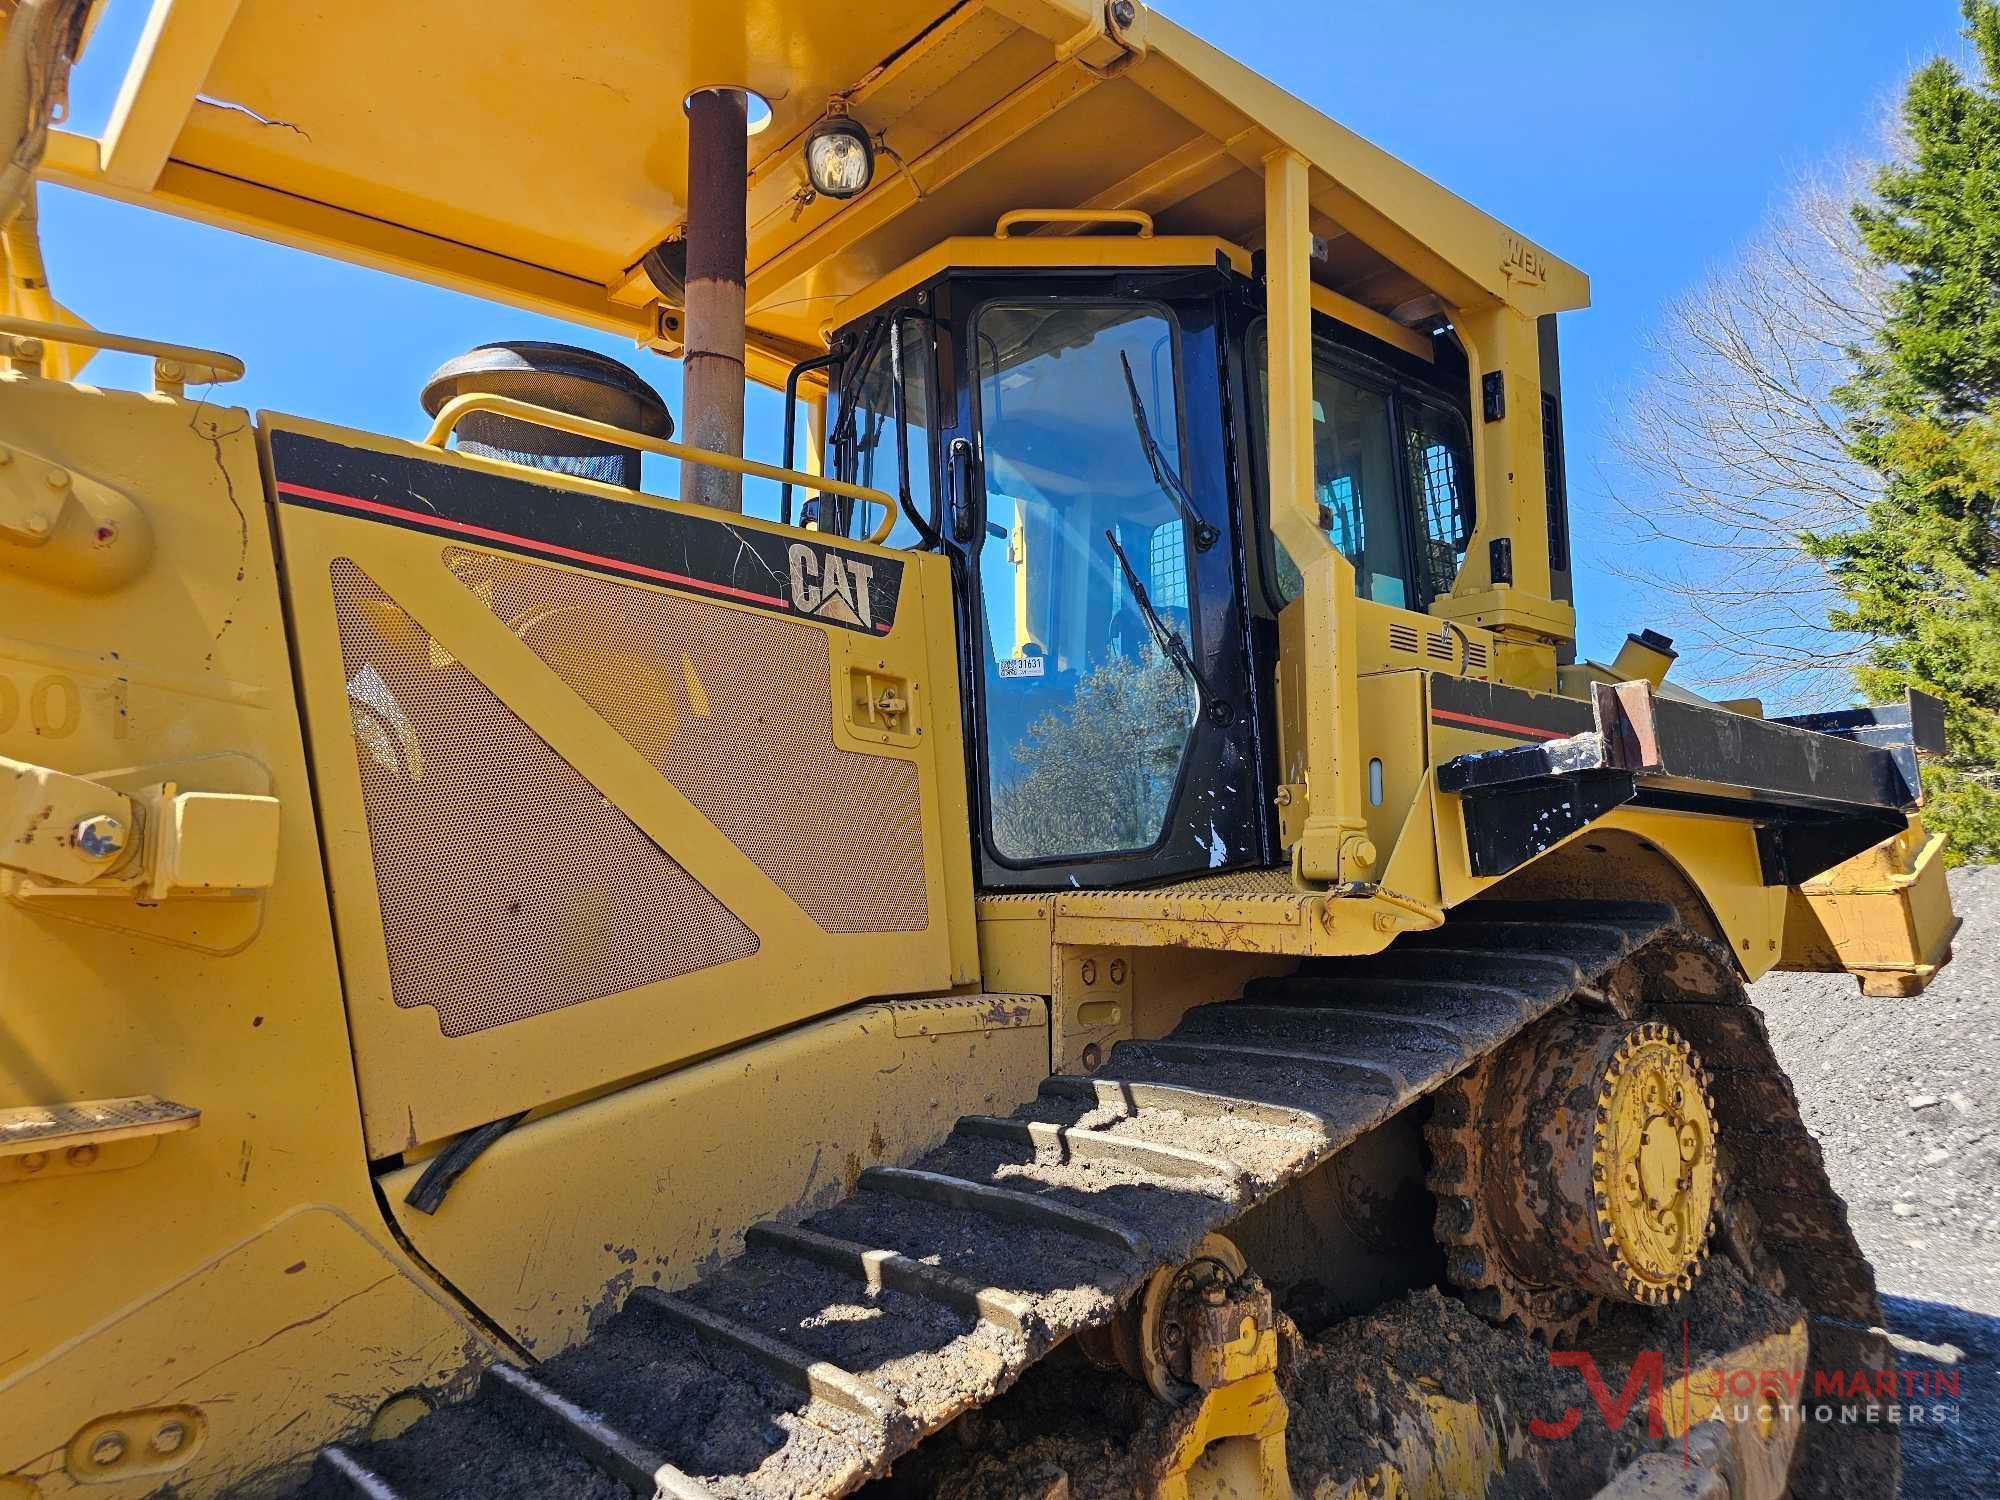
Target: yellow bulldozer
{"type": "Point", "coordinates": [1098, 939]}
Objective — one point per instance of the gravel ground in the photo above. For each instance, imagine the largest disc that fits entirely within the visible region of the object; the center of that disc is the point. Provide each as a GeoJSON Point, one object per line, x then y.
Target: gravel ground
{"type": "Point", "coordinates": [1904, 1096]}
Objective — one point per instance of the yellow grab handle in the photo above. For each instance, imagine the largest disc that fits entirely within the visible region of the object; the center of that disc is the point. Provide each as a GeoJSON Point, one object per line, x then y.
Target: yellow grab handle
{"type": "Point", "coordinates": [1141, 221]}
{"type": "Point", "coordinates": [174, 365]}
{"type": "Point", "coordinates": [460, 407]}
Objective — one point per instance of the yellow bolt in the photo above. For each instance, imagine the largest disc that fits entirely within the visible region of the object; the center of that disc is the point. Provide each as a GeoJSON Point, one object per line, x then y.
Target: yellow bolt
{"type": "Point", "coordinates": [58, 479]}
{"type": "Point", "coordinates": [108, 1449]}
{"type": "Point", "coordinates": [38, 523]}
{"type": "Point", "coordinates": [34, 1161]}
{"type": "Point", "coordinates": [84, 1155]}
{"type": "Point", "coordinates": [169, 1438]}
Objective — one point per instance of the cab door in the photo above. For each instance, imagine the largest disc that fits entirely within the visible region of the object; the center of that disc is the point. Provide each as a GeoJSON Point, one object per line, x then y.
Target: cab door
{"type": "Point", "coordinates": [1113, 717]}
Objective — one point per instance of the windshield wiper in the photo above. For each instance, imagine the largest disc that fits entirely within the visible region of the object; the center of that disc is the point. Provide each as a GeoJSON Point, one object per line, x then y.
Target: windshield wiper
{"type": "Point", "coordinates": [1170, 485]}
{"type": "Point", "coordinates": [1169, 641]}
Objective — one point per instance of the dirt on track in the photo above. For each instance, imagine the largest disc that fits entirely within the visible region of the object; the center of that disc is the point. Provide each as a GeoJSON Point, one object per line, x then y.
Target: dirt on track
{"type": "Point", "coordinates": [1904, 1097]}
{"type": "Point", "coordinates": [1071, 1429]}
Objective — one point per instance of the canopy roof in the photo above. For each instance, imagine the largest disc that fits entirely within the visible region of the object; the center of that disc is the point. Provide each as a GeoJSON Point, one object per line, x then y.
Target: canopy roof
{"type": "Point", "coordinates": [533, 152]}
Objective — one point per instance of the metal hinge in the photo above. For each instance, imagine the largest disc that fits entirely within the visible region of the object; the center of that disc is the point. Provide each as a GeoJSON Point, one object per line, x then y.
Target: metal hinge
{"type": "Point", "coordinates": [1112, 42]}
{"type": "Point", "coordinates": [73, 833]}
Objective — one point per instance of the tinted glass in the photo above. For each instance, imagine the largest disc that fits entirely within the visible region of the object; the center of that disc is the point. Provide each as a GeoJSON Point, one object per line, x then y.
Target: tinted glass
{"type": "Point", "coordinates": [1354, 474]}
{"type": "Point", "coordinates": [1440, 460]}
{"type": "Point", "coordinates": [1087, 717]}
{"type": "Point", "coordinates": [875, 461]}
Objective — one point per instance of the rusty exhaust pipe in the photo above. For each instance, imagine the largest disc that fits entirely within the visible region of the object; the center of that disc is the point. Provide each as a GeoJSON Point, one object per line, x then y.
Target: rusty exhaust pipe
{"type": "Point", "coordinates": [717, 235]}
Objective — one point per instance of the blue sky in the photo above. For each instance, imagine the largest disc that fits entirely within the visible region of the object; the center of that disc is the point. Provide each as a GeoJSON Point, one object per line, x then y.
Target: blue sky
{"type": "Point", "coordinates": [1641, 142]}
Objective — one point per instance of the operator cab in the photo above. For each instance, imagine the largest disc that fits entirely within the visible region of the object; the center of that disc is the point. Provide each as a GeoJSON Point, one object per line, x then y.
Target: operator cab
{"type": "Point", "coordinates": [1089, 448]}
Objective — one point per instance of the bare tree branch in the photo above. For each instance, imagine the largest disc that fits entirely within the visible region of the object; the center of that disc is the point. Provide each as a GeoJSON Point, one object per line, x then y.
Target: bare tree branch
{"type": "Point", "coordinates": [1731, 446]}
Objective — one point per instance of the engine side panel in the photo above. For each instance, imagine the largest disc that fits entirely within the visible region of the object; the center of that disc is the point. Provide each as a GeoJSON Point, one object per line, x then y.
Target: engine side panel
{"type": "Point", "coordinates": [607, 784]}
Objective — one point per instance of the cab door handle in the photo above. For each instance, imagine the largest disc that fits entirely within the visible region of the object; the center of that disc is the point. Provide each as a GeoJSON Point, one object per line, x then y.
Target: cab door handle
{"type": "Point", "coordinates": [958, 465]}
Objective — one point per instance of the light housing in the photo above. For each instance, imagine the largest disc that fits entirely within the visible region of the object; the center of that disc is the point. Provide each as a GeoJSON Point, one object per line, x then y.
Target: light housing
{"type": "Point", "coordinates": [840, 159]}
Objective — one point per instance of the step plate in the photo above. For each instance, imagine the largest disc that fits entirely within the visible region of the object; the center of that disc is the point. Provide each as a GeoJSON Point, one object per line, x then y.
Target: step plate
{"type": "Point", "coordinates": [91, 1122]}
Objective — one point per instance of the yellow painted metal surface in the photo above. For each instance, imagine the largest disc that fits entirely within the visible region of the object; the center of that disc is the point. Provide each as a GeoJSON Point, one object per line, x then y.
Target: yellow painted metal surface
{"type": "Point", "coordinates": [798, 968]}
{"type": "Point", "coordinates": [1706, 867]}
{"type": "Point", "coordinates": [1884, 916]}
{"type": "Point", "coordinates": [1653, 1162]}
{"type": "Point", "coordinates": [1248, 911]}
{"type": "Point", "coordinates": [161, 1272]}
{"type": "Point", "coordinates": [247, 113]}
{"type": "Point", "coordinates": [1117, 251]}
{"type": "Point", "coordinates": [1393, 752]}
{"type": "Point", "coordinates": [1016, 943]}
{"type": "Point", "coordinates": [1439, 1448]}
{"type": "Point", "coordinates": [1233, 1443]}
{"type": "Point", "coordinates": [148, 675]}
{"type": "Point", "coordinates": [1318, 647]}
{"type": "Point", "coordinates": [258, 1348]}
{"type": "Point", "coordinates": [1749, 1404]}
{"type": "Point", "coordinates": [653, 1184]}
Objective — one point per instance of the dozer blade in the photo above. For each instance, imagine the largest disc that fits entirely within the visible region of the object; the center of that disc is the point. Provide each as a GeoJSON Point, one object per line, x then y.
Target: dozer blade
{"type": "Point", "coordinates": [808, 1364]}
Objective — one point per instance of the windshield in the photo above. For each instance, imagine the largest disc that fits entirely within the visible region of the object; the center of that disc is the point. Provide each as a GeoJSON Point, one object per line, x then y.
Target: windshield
{"type": "Point", "coordinates": [1087, 715]}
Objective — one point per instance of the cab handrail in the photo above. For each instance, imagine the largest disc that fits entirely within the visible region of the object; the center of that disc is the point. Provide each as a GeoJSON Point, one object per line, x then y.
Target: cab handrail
{"type": "Point", "coordinates": [460, 407]}
{"type": "Point", "coordinates": [1138, 219]}
{"type": "Point", "coordinates": [174, 365]}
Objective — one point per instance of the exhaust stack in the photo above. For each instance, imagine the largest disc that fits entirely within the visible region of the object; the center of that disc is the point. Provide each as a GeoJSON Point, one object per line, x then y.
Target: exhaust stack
{"type": "Point", "coordinates": [718, 192]}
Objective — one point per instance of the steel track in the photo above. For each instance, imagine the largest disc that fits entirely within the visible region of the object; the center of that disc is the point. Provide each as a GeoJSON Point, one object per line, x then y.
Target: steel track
{"type": "Point", "coordinates": [830, 1347]}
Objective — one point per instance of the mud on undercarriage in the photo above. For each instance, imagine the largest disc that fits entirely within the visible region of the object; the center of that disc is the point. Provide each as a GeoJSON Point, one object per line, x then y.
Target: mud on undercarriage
{"type": "Point", "coordinates": [809, 1365]}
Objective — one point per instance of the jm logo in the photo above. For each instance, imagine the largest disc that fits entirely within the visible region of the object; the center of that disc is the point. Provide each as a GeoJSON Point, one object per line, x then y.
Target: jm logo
{"type": "Point", "coordinates": [831, 586]}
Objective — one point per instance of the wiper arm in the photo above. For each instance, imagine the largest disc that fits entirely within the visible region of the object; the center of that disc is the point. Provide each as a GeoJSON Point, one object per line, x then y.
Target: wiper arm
{"type": "Point", "coordinates": [1205, 535]}
{"type": "Point", "coordinates": [1169, 641]}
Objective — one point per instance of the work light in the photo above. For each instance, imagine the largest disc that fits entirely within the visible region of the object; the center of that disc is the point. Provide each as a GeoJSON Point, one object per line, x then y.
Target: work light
{"type": "Point", "coordinates": [839, 158]}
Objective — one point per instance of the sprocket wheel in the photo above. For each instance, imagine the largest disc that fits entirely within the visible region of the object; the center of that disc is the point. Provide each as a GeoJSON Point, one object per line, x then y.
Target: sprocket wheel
{"type": "Point", "coordinates": [1576, 1164]}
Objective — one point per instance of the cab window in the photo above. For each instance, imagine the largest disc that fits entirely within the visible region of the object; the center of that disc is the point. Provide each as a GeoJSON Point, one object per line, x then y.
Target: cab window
{"type": "Point", "coordinates": [868, 452]}
{"type": "Point", "coordinates": [1399, 510]}
{"type": "Point", "coordinates": [1438, 451]}
{"type": "Point", "coordinates": [1083, 577]}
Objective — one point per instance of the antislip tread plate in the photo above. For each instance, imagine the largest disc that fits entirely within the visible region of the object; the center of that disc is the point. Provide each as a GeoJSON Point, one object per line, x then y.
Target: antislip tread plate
{"type": "Point", "coordinates": [91, 1121]}
{"type": "Point", "coordinates": [807, 1365]}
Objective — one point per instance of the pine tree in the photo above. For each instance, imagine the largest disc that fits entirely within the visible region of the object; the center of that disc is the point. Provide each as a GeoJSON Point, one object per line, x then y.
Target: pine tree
{"type": "Point", "coordinates": [1924, 405]}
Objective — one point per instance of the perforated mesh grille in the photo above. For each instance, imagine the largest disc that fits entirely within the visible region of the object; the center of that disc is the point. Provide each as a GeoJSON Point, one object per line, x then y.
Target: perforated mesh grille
{"type": "Point", "coordinates": [736, 710]}
{"type": "Point", "coordinates": [509, 887]}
